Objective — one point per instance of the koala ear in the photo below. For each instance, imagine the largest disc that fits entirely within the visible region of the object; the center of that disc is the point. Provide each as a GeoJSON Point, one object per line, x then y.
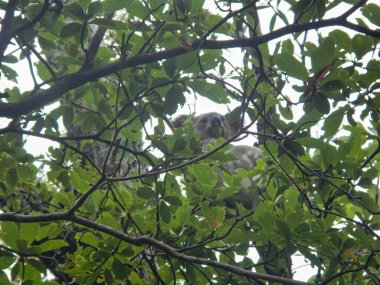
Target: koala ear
{"type": "Point", "coordinates": [178, 121]}
{"type": "Point", "coordinates": [234, 120]}
{"type": "Point", "coordinates": [235, 125]}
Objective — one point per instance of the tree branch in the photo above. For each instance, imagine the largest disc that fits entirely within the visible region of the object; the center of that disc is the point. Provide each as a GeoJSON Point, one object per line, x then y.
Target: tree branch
{"type": "Point", "coordinates": [5, 29]}
{"type": "Point", "coordinates": [147, 240]}
{"type": "Point", "coordinates": [79, 78]}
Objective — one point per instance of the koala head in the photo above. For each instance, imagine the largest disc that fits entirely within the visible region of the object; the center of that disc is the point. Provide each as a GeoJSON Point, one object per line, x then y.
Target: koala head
{"type": "Point", "coordinates": [211, 126]}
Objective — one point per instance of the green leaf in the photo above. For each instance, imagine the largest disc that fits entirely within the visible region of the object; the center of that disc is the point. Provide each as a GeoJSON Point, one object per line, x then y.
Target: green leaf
{"type": "Point", "coordinates": [341, 39]}
{"type": "Point", "coordinates": [294, 147]}
{"type": "Point", "coordinates": [146, 193]}
{"type": "Point", "coordinates": [291, 66]}
{"type": "Point", "coordinates": [182, 215]}
{"type": "Point", "coordinates": [42, 71]}
{"type": "Point", "coordinates": [323, 55]}
{"type": "Point", "coordinates": [169, 66]}
{"type": "Point", "coordinates": [78, 182]}
{"type": "Point", "coordinates": [173, 98]}
{"type": "Point", "coordinates": [333, 122]}
{"type": "Point", "coordinates": [110, 24]}
{"type": "Point", "coordinates": [6, 261]}
{"type": "Point", "coordinates": [76, 11]}
{"type": "Point", "coordinates": [119, 269]}
{"type": "Point", "coordinates": [44, 231]}
{"type": "Point", "coordinates": [109, 220]}
{"type": "Point", "coordinates": [321, 103]}
{"type": "Point", "coordinates": [165, 213]}
{"type": "Point", "coordinates": [286, 112]}
{"type": "Point", "coordinates": [90, 239]}
{"type": "Point", "coordinates": [288, 47]}
{"type": "Point", "coordinates": [38, 265]}
{"type": "Point", "coordinates": [173, 200]}
{"type": "Point", "coordinates": [12, 177]}
{"type": "Point", "coordinates": [136, 8]}
{"type": "Point", "coordinates": [372, 12]}
{"type": "Point", "coordinates": [94, 7]}
{"type": "Point", "coordinates": [68, 117]}
{"type": "Point", "coordinates": [28, 231]}
{"type": "Point", "coordinates": [213, 91]}
{"type": "Point", "coordinates": [62, 198]}
{"type": "Point", "coordinates": [204, 173]}
{"type": "Point", "coordinates": [70, 30]}
{"type": "Point", "coordinates": [51, 245]}
{"type": "Point", "coordinates": [114, 5]}
{"type": "Point", "coordinates": [361, 45]}
{"type": "Point", "coordinates": [272, 23]}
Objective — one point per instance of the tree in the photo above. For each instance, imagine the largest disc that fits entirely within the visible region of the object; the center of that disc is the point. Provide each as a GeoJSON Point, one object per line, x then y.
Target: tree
{"type": "Point", "coordinates": [119, 202]}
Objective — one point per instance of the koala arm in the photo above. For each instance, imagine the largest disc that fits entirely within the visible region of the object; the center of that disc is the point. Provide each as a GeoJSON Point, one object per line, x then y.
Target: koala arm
{"type": "Point", "coordinates": [246, 156]}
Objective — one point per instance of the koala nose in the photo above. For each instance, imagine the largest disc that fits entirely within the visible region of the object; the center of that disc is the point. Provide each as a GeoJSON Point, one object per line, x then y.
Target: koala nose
{"type": "Point", "coordinates": [215, 120]}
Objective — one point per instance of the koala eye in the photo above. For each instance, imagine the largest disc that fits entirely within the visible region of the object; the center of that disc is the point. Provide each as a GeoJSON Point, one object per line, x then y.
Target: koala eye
{"type": "Point", "coordinates": [203, 120]}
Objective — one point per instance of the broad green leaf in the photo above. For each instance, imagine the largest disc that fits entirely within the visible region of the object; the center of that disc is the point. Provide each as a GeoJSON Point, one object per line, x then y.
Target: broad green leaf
{"type": "Point", "coordinates": [137, 8]}
{"type": "Point", "coordinates": [114, 5]}
{"type": "Point", "coordinates": [181, 215]}
{"type": "Point", "coordinates": [44, 231]}
{"type": "Point", "coordinates": [110, 24]}
{"type": "Point", "coordinates": [51, 245]}
{"type": "Point", "coordinates": [119, 269]}
{"type": "Point", "coordinates": [294, 147]}
{"type": "Point", "coordinates": [38, 265]}
{"type": "Point", "coordinates": [12, 177]}
{"type": "Point", "coordinates": [108, 220]}
{"type": "Point", "coordinates": [70, 29]}
{"type": "Point", "coordinates": [321, 103]}
{"type": "Point", "coordinates": [372, 12]}
{"type": "Point", "coordinates": [68, 117]}
{"type": "Point", "coordinates": [28, 231]}
{"type": "Point", "coordinates": [213, 91]}
{"type": "Point", "coordinates": [173, 200]}
{"type": "Point", "coordinates": [286, 112]}
{"type": "Point", "coordinates": [146, 193]}
{"type": "Point", "coordinates": [288, 47]}
{"type": "Point", "coordinates": [90, 239]}
{"type": "Point", "coordinates": [94, 7]}
{"type": "Point", "coordinates": [323, 55]}
{"type": "Point", "coordinates": [291, 66]}
{"type": "Point", "coordinates": [361, 45]}
{"type": "Point", "coordinates": [75, 10]}
{"type": "Point", "coordinates": [6, 261]}
{"type": "Point", "coordinates": [341, 39]}
{"type": "Point", "coordinates": [333, 122]}
{"type": "Point", "coordinates": [165, 213]}
{"type": "Point", "coordinates": [78, 182]}
{"type": "Point", "coordinates": [204, 173]}
{"type": "Point", "coordinates": [62, 198]}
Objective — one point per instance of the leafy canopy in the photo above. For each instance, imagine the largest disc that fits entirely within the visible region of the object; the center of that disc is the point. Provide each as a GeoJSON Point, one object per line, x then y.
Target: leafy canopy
{"type": "Point", "coordinates": [119, 196]}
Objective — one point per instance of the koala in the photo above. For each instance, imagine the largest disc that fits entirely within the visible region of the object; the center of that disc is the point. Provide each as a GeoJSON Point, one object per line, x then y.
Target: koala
{"type": "Point", "coordinates": [210, 127]}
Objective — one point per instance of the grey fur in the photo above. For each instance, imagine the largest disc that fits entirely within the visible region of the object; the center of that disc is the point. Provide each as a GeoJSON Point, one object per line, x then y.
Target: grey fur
{"type": "Point", "coordinates": [211, 126]}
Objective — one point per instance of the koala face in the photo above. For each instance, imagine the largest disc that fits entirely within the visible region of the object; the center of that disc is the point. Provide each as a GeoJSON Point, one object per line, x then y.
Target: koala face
{"type": "Point", "coordinates": [210, 126]}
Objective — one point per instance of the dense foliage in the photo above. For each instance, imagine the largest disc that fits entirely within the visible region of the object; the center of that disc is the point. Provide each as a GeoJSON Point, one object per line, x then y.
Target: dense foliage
{"type": "Point", "coordinates": [120, 197]}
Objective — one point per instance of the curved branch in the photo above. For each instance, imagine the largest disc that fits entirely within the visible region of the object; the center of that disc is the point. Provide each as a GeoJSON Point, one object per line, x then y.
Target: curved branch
{"type": "Point", "coordinates": [79, 78]}
{"type": "Point", "coordinates": [147, 240]}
